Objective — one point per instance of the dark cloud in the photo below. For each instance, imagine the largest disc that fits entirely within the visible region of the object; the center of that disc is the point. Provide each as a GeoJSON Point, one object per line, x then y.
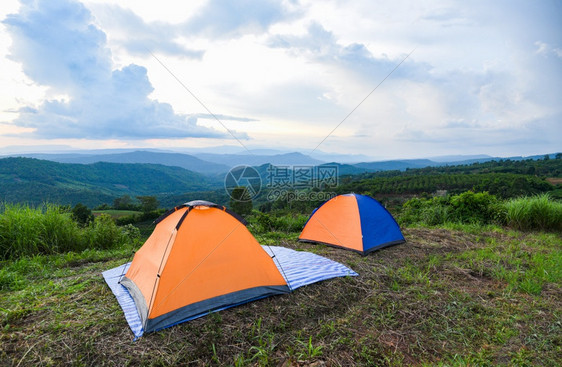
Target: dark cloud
{"type": "Point", "coordinates": [59, 47]}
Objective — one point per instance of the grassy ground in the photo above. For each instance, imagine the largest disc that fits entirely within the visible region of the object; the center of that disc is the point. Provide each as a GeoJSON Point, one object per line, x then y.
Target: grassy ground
{"type": "Point", "coordinates": [456, 296]}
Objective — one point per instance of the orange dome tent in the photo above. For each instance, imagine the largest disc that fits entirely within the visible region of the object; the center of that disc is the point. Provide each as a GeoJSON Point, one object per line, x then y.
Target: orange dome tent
{"type": "Point", "coordinates": [200, 258]}
{"type": "Point", "coordinates": [351, 221]}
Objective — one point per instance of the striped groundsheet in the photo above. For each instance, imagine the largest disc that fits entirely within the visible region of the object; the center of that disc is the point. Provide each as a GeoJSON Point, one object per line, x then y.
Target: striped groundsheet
{"type": "Point", "coordinates": [299, 268]}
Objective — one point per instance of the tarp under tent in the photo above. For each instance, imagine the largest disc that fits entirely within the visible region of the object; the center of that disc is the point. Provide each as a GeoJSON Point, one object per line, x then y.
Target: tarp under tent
{"type": "Point", "coordinates": [351, 221]}
{"type": "Point", "coordinates": [201, 258]}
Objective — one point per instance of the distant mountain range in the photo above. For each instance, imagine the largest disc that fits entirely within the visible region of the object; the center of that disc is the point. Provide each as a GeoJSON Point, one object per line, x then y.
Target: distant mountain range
{"type": "Point", "coordinates": [286, 159]}
{"type": "Point", "coordinates": [36, 181]}
{"type": "Point", "coordinates": [186, 161]}
{"type": "Point", "coordinates": [205, 163]}
{"type": "Point", "coordinates": [458, 158]}
{"type": "Point", "coordinates": [217, 164]}
{"type": "Point", "coordinates": [29, 151]}
{"type": "Point", "coordinates": [94, 179]}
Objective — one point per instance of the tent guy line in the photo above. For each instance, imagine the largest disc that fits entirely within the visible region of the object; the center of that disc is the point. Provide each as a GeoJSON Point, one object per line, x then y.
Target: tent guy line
{"type": "Point", "coordinates": [238, 140]}
{"type": "Point", "coordinates": [328, 230]}
{"type": "Point", "coordinates": [202, 261]}
{"type": "Point", "coordinates": [360, 103]}
{"type": "Point", "coordinates": [198, 100]}
{"type": "Point", "coordinates": [273, 257]}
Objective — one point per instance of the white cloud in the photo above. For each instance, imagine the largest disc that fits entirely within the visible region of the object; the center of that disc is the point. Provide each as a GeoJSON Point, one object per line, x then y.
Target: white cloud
{"type": "Point", "coordinates": [215, 19]}
{"type": "Point", "coordinates": [138, 37]}
{"type": "Point", "coordinates": [547, 50]}
{"type": "Point", "coordinates": [59, 47]}
{"type": "Point", "coordinates": [485, 75]}
{"type": "Point", "coordinates": [224, 18]}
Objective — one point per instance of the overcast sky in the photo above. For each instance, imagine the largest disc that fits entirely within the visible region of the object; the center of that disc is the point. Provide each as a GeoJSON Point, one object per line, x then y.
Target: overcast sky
{"type": "Point", "coordinates": [484, 77]}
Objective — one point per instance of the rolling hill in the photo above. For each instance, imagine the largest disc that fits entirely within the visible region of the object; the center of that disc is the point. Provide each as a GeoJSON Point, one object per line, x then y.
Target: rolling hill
{"type": "Point", "coordinates": [36, 181]}
{"type": "Point", "coordinates": [186, 161]}
{"type": "Point", "coordinates": [286, 159]}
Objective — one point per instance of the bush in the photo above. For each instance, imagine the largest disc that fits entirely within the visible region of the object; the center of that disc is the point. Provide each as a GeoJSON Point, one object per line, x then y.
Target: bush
{"type": "Point", "coordinates": [436, 213]}
{"type": "Point", "coordinates": [263, 222]}
{"type": "Point", "coordinates": [82, 214]}
{"type": "Point", "coordinates": [428, 211]}
{"type": "Point", "coordinates": [25, 231]}
{"type": "Point", "coordinates": [60, 232]}
{"type": "Point", "coordinates": [137, 218]}
{"type": "Point", "coordinates": [539, 212]}
{"type": "Point", "coordinates": [534, 213]}
{"type": "Point", "coordinates": [240, 201]}
{"type": "Point", "coordinates": [470, 207]}
{"type": "Point", "coordinates": [465, 208]}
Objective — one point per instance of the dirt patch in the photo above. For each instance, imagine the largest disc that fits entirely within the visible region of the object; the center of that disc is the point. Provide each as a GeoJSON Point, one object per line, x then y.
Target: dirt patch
{"type": "Point", "coordinates": [555, 180]}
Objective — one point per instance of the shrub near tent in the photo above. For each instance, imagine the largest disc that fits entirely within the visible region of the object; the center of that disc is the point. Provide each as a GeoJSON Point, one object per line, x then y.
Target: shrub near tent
{"type": "Point", "coordinates": [351, 221]}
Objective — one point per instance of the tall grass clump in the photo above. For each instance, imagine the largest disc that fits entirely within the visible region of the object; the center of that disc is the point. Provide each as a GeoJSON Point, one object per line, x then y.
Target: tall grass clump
{"type": "Point", "coordinates": [27, 231]}
{"type": "Point", "coordinates": [467, 208]}
{"type": "Point", "coordinates": [50, 229]}
{"type": "Point", "coordinates": [104, 234]}
{"type": "Point", "coordinates": [538, 212]}
{"type": "Point", "coordinates": [58, 232]}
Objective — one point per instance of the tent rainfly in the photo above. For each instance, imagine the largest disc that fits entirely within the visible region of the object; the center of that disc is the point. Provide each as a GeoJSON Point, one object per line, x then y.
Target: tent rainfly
{"type": "Point", "coordinates": [356, 222]}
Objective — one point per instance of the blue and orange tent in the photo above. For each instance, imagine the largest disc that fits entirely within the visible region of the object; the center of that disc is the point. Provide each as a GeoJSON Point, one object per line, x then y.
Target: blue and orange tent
{"type": "Point", "coordinates": [351, 221]}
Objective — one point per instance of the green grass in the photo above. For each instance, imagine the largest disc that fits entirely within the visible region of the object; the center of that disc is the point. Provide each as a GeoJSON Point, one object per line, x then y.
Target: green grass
{"type": "Point", "coordinates": [534, 213]}
{"type": "Point", "coordinates": [27, 231]}
{"type": "Point", "coordinates": [114, 213]}
{"type": "Point", "coordinates": [448, 297]}
{"type": "Point", "coordinates": [525, 267]}
{"type": "Point", "coordinates": [286, 223]}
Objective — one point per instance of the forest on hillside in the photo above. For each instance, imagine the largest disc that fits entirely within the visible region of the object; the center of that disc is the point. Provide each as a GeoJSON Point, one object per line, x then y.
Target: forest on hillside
{"type": "Point", "coordinates": [33, 181]}
{"type": "Point", "coordinates": [504, 179]}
